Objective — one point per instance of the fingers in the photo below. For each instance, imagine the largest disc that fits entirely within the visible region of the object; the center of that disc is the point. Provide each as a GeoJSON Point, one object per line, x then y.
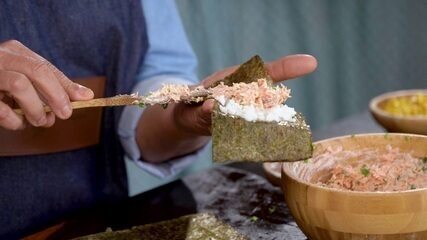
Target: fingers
{"type": "Point", "coordinates": [207, 82]}
{"type": "Point", "coordinates": [9, 119]}
{"type": "Point", "coordinates": [291, 67]}
{"type": "Point", "coordinates": [52, 84]}
{"type": "Point", "coordinates": [75, 91]}
{"type": "Point", "coordinates": [195, 119]}
{"type": "Point", "coordinates": [282, 69]}
{"type": "Point", "coordinates": [18, 48]}
{"type": "Point", "coordinates": [20, 88]}
{"type": "Point", "coordinates": [50, 119]}
{"type": "Point", "coordinates": [41, 76]}
{"type": "Point", "coordinates": [207, 107]}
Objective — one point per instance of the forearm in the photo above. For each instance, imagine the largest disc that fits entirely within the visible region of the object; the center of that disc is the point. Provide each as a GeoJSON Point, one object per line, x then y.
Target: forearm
{"type": "Point", "coordinates": [160, 137]}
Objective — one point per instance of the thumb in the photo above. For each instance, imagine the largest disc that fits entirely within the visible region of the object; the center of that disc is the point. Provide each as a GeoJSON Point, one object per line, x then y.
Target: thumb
{"type": "Point", "coordinates": [204, 117]}
{"type": "Point", "coordinates": [207, 108]}
{"type": "Point", "coordinates": [195, 119]}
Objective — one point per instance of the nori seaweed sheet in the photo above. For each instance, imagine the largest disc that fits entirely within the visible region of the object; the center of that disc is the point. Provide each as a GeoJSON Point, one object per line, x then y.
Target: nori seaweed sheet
{"type": "Point", "coordinates": [190, 227]}
{"type": "Point", "coordinates": [234, 139]}
{"type": "Point", "coordinates": [248, 72]}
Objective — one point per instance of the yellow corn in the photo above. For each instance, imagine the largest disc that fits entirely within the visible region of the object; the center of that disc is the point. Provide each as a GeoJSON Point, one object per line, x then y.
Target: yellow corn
{"type": "Point", "coordinates": [415, 105]}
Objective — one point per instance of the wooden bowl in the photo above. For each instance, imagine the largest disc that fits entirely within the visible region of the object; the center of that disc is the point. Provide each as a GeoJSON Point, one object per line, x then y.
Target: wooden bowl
{"type": "Point", "coordinates": [326, 213]}
{"type": "Point", "coordinates": [403, 124]}
{"type": "Point", "coordinates": [273, 172]}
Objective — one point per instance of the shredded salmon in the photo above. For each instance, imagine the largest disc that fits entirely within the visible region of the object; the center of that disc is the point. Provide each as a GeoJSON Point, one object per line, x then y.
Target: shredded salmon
{"type": "Point", "coordinates": [259, 94]}
{"type": "Point", "coordinates": [170, 92]}
{"type": "Point", "coordinates": [371, 170]}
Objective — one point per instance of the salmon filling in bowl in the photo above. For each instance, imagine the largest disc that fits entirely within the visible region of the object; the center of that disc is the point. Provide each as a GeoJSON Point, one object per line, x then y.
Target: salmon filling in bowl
{"type": "Point", "coordinates": [367, 186]}
{"type": "Point", "coordinates": [370, 169]}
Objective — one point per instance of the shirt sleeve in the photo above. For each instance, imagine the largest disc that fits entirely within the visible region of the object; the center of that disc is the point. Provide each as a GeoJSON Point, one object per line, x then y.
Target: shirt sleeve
{"type": "Point", "coordinates": [169, 52]}
{"type": "Point", "coordinates": [169, 60]}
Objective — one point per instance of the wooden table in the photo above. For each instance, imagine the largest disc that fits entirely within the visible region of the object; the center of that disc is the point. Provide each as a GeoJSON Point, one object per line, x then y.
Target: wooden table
{"type": "Point", "coordinates": [236, 193]}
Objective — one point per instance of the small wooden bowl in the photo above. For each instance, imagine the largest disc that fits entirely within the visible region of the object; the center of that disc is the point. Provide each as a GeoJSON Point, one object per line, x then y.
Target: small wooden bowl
{"type": "Point", "coordinates": [327, 213]}
{"type": "Point", "coordinates": [403, 124]}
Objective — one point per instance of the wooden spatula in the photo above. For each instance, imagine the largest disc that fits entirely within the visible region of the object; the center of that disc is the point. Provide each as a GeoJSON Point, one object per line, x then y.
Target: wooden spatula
{"type": "Point", "coordinates": [133, 99]}
{"type": "Point", "coordinates": [119, 100]}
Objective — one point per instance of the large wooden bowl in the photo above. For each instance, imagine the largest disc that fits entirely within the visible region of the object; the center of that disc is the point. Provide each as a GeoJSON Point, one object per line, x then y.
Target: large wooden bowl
{"type": "Point", "coordinates": [273, 172]}
{"type": "Point", "coordinates": [392, 123]}
{"type": "Point", "coordinates": [326, 213]}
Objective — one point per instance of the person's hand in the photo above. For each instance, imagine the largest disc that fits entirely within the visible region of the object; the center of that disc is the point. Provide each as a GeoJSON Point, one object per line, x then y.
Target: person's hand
{"type": "Point", "coordinates": [32, 82]}
{"type": "Point", "coordinates": [197, 119]}
{"type": "Point", "coordinates": [163, 134]}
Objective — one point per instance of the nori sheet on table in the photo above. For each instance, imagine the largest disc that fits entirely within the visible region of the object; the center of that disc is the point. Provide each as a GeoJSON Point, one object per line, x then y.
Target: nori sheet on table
{"type": "Point", "coordinates": [234, 139]}
{"type": "Point", "coordinates": [190, 227]}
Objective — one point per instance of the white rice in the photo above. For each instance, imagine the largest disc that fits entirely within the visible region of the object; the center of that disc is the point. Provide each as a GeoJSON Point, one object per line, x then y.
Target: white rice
{"type": "Point", "coordinates": [251, 113]}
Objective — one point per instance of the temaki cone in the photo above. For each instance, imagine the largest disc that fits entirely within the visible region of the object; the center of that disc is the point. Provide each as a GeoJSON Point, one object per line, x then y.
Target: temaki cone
{"type": "Point", "coordinates": [235, 139]}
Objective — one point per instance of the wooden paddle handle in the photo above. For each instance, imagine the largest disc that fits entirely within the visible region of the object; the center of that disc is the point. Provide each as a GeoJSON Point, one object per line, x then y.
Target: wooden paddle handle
{"type": "Point", "coordinates": [120, 100]}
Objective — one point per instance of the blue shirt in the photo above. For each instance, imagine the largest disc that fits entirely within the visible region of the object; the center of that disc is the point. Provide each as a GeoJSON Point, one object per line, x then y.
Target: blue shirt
{"type": "Point", "coordinates": [169, 59]}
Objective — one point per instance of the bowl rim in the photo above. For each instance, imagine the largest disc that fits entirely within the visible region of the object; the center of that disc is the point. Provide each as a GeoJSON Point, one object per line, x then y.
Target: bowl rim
{"type": "Point", "coordinates": [272, 176]}
{"type": "Point", "coordinates": [348, 192]}
{"type": "Point", "coordinates": [373, 104]}
{"type": "Point", "coordinates": [265, 167]}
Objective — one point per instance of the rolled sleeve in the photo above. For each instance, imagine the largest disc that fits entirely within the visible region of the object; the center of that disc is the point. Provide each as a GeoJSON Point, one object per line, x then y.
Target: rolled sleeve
{"type": "Point", "coordinates": [169, 60]}
{"type": "Point", "coordinates": [129, 122]}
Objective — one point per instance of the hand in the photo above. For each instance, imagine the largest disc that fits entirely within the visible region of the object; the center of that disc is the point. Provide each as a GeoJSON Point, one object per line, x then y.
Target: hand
{"type": "Point", "coordinates": [197, 119]}
{"type": "Point", "coordinates": [163, 134]}
{"type": "Point", "coordinates": [32, 82]}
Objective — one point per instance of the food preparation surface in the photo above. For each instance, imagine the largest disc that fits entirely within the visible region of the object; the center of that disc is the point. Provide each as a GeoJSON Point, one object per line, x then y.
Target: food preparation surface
{"type": "Point", "coordinates": [238, 195]}
{"type": "Point", "coordinates": [246, 201]}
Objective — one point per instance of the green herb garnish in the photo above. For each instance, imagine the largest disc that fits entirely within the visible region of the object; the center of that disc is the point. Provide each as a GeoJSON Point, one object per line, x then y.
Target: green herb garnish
{"type": "Point", "coordinates": [164, 105]}
{"type": "Point", "coordinates": [253, 218]}
{"type": "Point", "coordinates": [271, 209]}
{"type": "Point", "coordinates": [141, 105]}
{"type": "Point", "coordinates": [364, 170]}
{"type": "Point", "coordinates": [424, 159]}
{"type": "Point", "coordinates": [413, 186]}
